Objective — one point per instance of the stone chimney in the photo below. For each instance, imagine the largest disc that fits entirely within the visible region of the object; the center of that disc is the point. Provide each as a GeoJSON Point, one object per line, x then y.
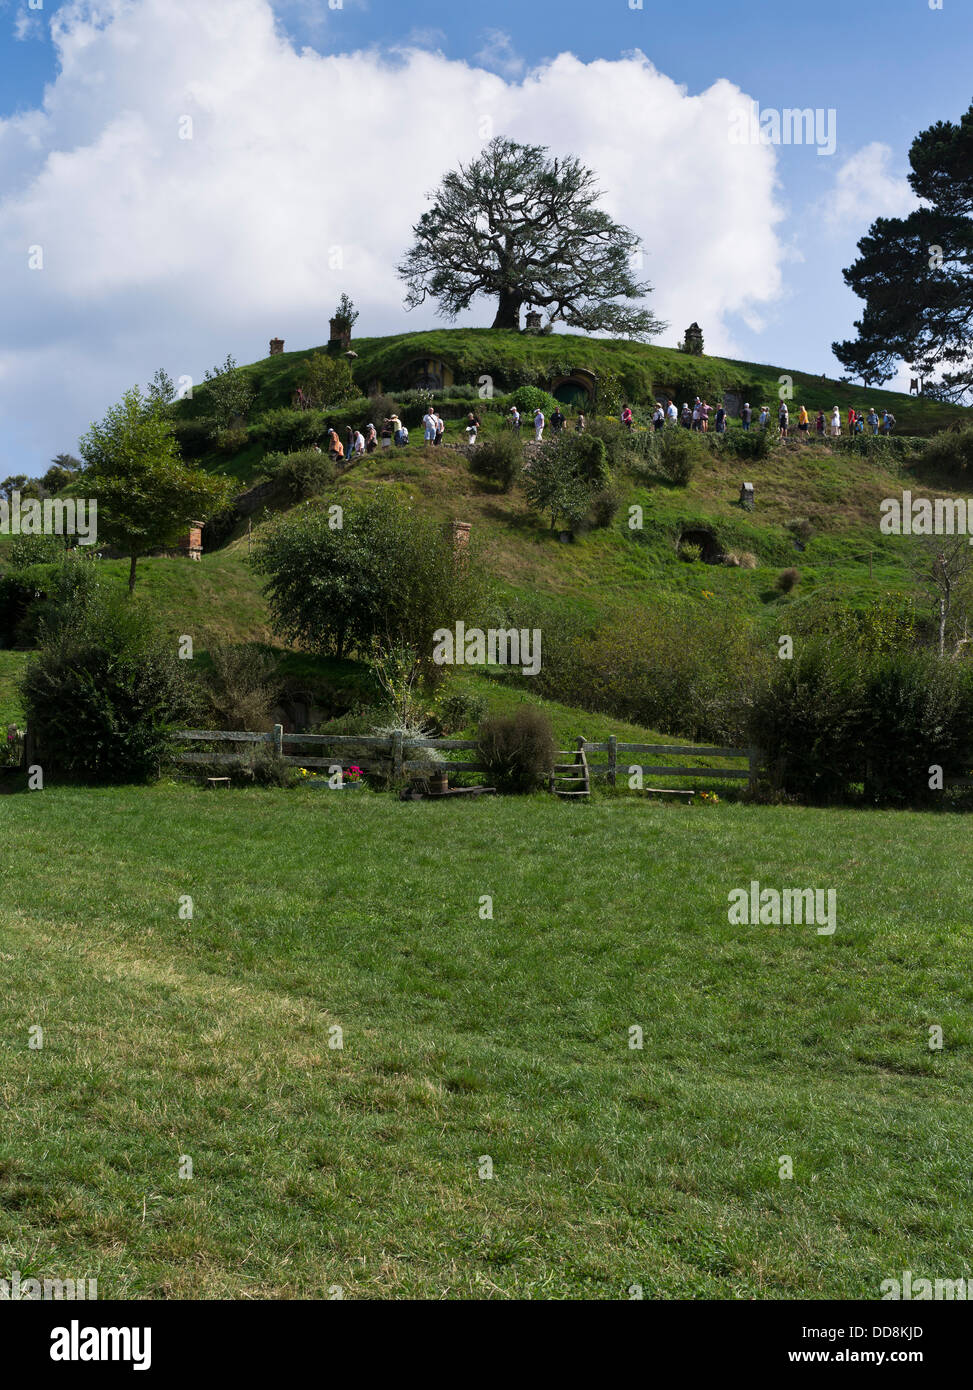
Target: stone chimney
{"type": "Point", "coordinates": [192, 543]}
{"type": "Point", "coordinates": [276, 347]}
{"type": "Point", "coordinates": [461, 535]}
{"type": "Point", "coordinates": [340, 340]}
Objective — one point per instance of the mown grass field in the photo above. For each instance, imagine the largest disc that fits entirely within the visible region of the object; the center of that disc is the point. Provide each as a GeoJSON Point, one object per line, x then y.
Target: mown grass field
{"type": "Point", "coordinates": [467, 1037]}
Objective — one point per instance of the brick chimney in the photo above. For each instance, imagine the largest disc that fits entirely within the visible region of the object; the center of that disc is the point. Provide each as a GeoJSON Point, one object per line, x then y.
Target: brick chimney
{"type": "Point", "coordinates": [276, 347]}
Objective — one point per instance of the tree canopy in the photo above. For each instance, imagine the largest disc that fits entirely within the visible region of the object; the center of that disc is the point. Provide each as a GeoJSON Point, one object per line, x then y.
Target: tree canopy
{"type": "Point", "coordinates": [915, 273]}
{"type": "Point", "coordinates": [146, 495]}
{"type": "Point", "coordinates": [524, 228]}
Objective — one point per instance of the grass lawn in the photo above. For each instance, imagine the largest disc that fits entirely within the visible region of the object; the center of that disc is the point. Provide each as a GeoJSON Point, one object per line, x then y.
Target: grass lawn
{"type": "Point", "coordinates": [465, 1038]}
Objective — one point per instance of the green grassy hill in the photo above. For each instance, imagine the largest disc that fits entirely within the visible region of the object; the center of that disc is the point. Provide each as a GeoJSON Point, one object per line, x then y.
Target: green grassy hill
{"type": "Point", "coordinates": [602, 573]}
{"type": "Point", "coordinates": [513, 359]}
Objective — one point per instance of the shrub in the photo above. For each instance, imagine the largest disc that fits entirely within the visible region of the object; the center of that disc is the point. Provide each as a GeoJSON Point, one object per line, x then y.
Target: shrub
{"type": "Point", "coordinates": [518, 750]}
{"type": "Point", "coordinates": [747, 444]}
{"type": "Point", "coordinates": [801, 529]}
{"type": "Point", "coordinates": [950, 452]}
{"type": "Point", "coordinates": [788, 579]}
{"type": "Point", "coordinates": [460, 710]}
{"type": "Point", "coordinates": [838, 715]}
{"type": "Point", "coordinates": [500, 459]}
{"type": "Point", "coordinates": [326, 380]}
{"type": "Point", "coordinates": [690, 552]}
{"type": "Point", "coordinates": [803, 720]}
{"type": "Point", "coordinates": [195, 437]}
{"type": "Point", "coordinates": [232, 440]}
{"type": "Point", "coordinates": [746, 559]}
{"type": "Point", "coordinates": [386, 574]}
{"type": "Point", "coordinates": [304, 473]}
{"type": "Point", "coordinates": [240, 686]}
{"type": "Point", "coordinates": [679, 452]}
{"type": "Point", "coordinates": [605, 505]}
{"type": "Point", "coordinates": [35, 550]}
{"type": "Point", "coordinates": [40, 598]}
{"type": "Point", "coordinates": [680, 668]}
{"type": "Point", "coordinates": [106, 692]}
{"type": "Point", "coordinates": [620, 446]}
{"type": "Point", "coordinates": [585, 455]}
{"type": "Point", "coordinates": [529, 398]}
{"type": "Point", "coordinates": [288, 429]}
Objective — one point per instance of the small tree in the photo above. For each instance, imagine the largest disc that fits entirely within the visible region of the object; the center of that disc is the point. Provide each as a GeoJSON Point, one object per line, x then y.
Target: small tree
{"type": "Point", "coordinates": [146, 495]}
{"type": "Point", "coordinates": [63, 470]}
{"type": "Point", "coordinates": [345, 314]}
{"type": "Point", "coordinates": [326, 381]}
{"type": "Point", "coordinates": [161, 390]}
{"type": "Point", "coordinates": [383, 577]}
{"type": "Point", "coordinates": [942, 566]}
{"type": "Point", "coordinates": [562, 482]}
{"type": "Point", "coordinates": [230, 393]}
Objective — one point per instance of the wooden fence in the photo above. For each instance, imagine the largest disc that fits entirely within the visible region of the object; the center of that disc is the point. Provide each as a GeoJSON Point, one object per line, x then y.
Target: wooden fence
{"type": "Point", "coordinates": [392, 754]}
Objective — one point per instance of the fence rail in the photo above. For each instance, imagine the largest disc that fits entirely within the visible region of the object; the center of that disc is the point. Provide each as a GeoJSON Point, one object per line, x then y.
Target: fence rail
{"type": "Point", "coordinates": [391, 754]}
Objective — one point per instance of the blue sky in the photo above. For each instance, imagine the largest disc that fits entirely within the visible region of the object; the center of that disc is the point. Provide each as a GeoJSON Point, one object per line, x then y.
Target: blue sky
{"type": "Point", "coordinates": [888, 68]}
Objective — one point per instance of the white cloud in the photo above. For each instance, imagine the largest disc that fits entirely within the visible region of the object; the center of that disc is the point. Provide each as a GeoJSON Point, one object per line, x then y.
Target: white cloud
{"type": "Point", "coordinates": [28, 25]}
{"type": "Point", "coordinates": [865, 188]}
{"type": "Point", "coordinates": [165, 251]}
{"type": "Point", "coordinates": [498, 54]}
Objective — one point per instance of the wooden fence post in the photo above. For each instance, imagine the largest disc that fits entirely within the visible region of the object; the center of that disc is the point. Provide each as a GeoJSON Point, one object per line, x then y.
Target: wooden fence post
{"type": "Point", "coordinates": [753, 763]}
{"type": "Point", "coordinates": [278, 740]}
{"type": "Point", "coordinates": [612, 756]}
{"type": "Point", "coordinates": [397, 756]}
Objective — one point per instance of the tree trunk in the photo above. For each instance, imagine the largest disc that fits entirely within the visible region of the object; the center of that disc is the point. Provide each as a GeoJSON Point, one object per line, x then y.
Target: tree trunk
{"type": "Point", "coordinates": [131, 575]}
{"type": "Point", "coordinates": [508, 311]}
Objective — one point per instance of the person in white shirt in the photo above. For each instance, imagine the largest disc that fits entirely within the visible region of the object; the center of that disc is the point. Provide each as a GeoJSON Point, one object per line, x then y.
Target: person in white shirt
{"type": "Point", "coordinates": [429, 425]}
{"type": "Point", "coordinates": [539, 426]}
{"type": "Point", "coordinates": [672, 414]}
{"type": "Point", "coordinates": [515, 417]}
{"type": "Point", "coordinates": [835, 423]}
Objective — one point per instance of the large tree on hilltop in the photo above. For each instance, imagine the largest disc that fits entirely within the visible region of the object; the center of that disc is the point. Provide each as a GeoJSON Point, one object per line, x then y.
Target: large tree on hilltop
{"type": "Point", "coordinates": [524, 228]}
{"type": "Point", "coordinates": [915, 273]}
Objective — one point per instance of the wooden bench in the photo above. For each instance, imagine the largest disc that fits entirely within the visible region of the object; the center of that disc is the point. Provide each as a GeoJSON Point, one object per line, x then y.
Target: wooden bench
{"type": "Point", "coordinates": [217, 781]}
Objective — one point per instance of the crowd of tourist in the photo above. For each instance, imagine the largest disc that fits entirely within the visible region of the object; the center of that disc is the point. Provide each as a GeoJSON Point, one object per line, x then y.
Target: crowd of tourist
{"type": "Point", "coordinates": [393, 433]}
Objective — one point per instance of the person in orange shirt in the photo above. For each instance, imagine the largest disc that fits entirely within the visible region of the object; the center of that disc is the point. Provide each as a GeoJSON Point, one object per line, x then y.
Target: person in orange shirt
{"type": "Point", "coordinates": [802, 422]}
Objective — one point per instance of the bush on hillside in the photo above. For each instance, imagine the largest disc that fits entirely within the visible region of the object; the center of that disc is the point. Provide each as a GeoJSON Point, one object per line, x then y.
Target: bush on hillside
{"type": "Point", "coordinates": [388, 575]}
{"type": "Point", "coordinates": [195, 437]}
{"type": "Point", "coordinates": [499, 459]}
{"type": "Point", "coordinates": [604, 506]}
{"type": "Point", "coordinates": [788, 580]}
{"type": "Point", "coordinates": [239, 687]}
{"type": "Point", "coordinates": [106, 693]}
{"type": "Point", "coordinates": [837, 716]}
{"type": "Point", "coordinates": [518, 750]}
{"type": "Point", "coordinates": [304, 473]}
{"type": "Point", "coordinates": [529, 399]}
{"type": "Point", "coordinates": [679, 453]}
{"type": "Point", "coordinates": [40, 598]}
{"type": "Point", "coordinates": [35, 550]}
{"type": "Point", "coordinates": [749, 445]}
{"type": "Point", "coordinates": [950, 452]}
{"type": "Point", "coordinates": [288, 429]}
{"type": "Point", "coordinates": [459, 711]}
